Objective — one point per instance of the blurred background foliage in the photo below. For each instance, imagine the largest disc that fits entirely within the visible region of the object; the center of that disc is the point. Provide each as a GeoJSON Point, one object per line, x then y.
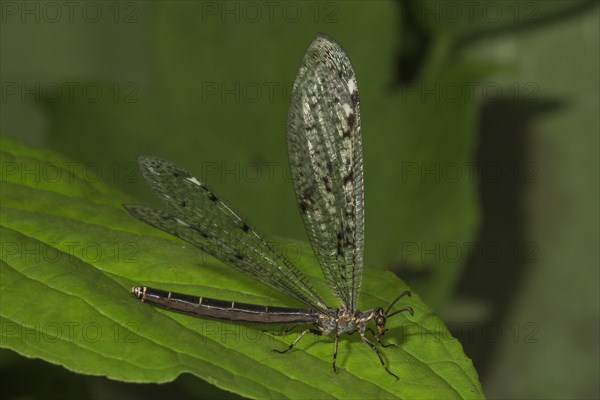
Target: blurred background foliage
{"type": "Point", "coordinates": [480, 124]}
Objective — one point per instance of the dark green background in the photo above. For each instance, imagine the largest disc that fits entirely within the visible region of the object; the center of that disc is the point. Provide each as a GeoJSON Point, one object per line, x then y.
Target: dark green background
{"type": "Point", "coordinates": [528, 318]}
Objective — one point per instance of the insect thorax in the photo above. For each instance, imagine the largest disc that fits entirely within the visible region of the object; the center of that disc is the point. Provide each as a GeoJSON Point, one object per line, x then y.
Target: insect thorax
{"type": "Point", "coordinates": [343, 321]}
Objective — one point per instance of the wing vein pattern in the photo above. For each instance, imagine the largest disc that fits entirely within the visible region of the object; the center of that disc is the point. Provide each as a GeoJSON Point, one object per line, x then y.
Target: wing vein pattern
{"type": "Point", "coordinates": [196, 215]}
{"type": "Point", "coordinates": [325, 152]}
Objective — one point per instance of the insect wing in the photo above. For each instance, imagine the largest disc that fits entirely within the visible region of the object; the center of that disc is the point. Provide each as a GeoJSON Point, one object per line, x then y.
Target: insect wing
{"type": "Point", "coordinates": [196, 215]}
{"type": "Point", "coordinates": [325, 151]}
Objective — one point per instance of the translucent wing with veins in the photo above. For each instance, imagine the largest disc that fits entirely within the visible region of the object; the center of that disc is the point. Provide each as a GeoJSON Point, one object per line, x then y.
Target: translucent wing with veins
{"type": "Point", "coordinates": [196, 215]}
{"type": "Point", "coordinates": [325, 151]}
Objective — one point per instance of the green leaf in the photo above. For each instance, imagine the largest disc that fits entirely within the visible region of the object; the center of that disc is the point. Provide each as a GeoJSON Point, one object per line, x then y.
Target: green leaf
{"type": "Point", "coordinates": [70, 254]}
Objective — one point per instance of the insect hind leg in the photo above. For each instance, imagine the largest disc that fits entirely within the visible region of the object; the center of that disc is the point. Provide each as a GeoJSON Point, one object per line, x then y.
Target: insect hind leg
{"type": "Point", "coordinates": [304, 332]}
{"type": "Point", "coordinates": [335, 350]}
{"type": "Point", "coordinates": [283, 332]}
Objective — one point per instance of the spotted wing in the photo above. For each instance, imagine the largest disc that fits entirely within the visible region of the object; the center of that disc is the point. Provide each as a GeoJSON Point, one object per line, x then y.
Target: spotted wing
{"type": "Point", "coordinates": [325, 151]}
{"type": "Point", "coordinates": [196, 215]}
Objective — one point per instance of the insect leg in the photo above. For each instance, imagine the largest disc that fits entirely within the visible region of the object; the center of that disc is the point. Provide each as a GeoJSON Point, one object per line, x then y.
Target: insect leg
{"type": "Point", "coordinates": [304, 332]}
{"type": "Point", "coordinates": [335, 350]}
{"type": "Point", "coordinates": [374, 348]}
{"type": "Point", "coordinates": [284, 332]}
{"type": "Point", "coordinates": [378, 338]}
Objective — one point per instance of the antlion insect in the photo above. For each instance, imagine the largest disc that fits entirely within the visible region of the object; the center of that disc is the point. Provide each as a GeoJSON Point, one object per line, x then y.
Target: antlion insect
{"type": "Point", "coordinates": [325, 152]}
